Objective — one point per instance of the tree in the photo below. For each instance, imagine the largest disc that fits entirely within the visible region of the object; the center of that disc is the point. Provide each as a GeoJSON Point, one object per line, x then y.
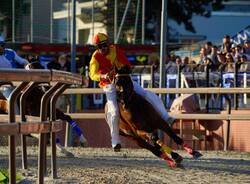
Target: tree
{"type": "Point", "coordinates": [182, 11]}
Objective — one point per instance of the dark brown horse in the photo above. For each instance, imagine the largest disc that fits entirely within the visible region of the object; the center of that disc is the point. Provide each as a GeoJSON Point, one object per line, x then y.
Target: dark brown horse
{"type": "Point", "coordinates": [139, 121]}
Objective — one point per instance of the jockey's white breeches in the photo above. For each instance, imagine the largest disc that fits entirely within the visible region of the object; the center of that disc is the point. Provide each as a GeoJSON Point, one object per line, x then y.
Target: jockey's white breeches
{"type": "Point", "coordinates": [155, 101]}
{"type": "Point", "coordinates": [112, 113]}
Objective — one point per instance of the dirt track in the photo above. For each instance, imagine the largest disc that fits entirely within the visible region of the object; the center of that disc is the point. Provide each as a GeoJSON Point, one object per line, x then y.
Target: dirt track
{"type": "Point", "coordinates": [92, 165]}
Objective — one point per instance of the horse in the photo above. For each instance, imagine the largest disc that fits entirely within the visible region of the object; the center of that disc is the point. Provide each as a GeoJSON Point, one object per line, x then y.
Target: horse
{"type": "Point", "coordinates": [32, 108]}
{"type": "Point", "coordinates": [140, 122]}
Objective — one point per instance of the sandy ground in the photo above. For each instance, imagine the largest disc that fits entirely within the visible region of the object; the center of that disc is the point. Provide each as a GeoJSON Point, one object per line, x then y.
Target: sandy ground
{"type": "Point", "coordinates": [102, 165]}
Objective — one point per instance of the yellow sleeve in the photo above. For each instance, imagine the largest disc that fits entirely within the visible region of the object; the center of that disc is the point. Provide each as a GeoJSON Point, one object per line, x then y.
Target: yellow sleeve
{"type": "Point", "coordinates": [93, 69]}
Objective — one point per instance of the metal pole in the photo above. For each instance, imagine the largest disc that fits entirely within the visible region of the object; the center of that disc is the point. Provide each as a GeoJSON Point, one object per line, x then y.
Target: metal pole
{"type": "Point", "coordinates": [51, 21]}
{"type": "Point", "coordinates": [73, 51]}
{"type": "Point", "coordinates": [122, 22]}
{"type": "Point", "coordinates": [73, 36]}
{"type": "Point", "coordinates": [93, 18]}
{"type": "Point", "coordinates": [115, 20]}
{"type": "Point", "coordinates": [13, 21]}
{"type": "Point", "coordinates": [31, 20]}
{"type": "Point", "coordinates": [136, 19]}
{"type": "Point", "coordinates": [143, 23]}
{"type": "Point", "coordinates": [163, 44]}
{"type": "Point", "coordinates": [163, 51]}
{"type": "Point", "coordinates": [68, 23]}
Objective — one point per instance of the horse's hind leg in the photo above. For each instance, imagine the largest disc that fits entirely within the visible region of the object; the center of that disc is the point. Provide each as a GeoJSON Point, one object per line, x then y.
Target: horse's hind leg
{"type": "Point", "coordinates": [166, 128]}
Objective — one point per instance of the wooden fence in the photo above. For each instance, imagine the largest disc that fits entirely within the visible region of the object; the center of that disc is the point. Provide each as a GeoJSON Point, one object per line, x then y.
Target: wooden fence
{"type": "Point", "coordinates": [181, 116]}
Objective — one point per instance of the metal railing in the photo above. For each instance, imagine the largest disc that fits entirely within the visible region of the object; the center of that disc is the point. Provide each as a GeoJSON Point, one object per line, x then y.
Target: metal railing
{"type": "Point", "coordinates": [27, 80]}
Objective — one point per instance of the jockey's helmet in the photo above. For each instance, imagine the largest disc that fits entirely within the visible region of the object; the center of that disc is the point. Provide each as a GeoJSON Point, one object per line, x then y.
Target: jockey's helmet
{"type": "Point", "coordinates": [100, 38]}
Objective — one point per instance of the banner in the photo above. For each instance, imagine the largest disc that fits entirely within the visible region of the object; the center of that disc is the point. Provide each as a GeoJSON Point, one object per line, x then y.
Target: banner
{"type": "Point", "coordinates": [241, 36]}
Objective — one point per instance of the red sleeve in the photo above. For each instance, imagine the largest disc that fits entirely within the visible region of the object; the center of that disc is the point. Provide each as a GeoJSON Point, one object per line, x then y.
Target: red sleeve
{"type": "Point", "coordinates": [122, 57]}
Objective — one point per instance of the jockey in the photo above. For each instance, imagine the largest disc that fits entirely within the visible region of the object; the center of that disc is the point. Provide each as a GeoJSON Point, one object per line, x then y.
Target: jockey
{"type": "Point", "coordinates": [9, 59]}
{"type": "Point", "coordinates": [104, 59]}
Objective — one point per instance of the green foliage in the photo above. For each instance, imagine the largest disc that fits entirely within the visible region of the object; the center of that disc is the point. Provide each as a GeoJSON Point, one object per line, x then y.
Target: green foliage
{"type": "Point", "coordinates": [4, 176]}
{"type": "Point", "coordinates": [182, 10]}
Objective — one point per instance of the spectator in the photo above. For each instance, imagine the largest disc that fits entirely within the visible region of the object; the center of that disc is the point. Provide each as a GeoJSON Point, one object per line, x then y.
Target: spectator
{"type": "Point", "coordinates": [230, 63]}
{"type": "Point", "coordinates": [246, 47]}
{"type": "Point", "coordinates": [153, 60]}
{"type": "Point", "coordinates": [222, 61]}
{"type": "Point", "coordinates": [64, 63]}
{"type": "Point", "coordinates": [242, 64]}
{"type": "Point", "coordinates": [203, 56]}
{"type": "Point", "coordinates": [171, 66]}
{"type": "Point", "coordinates": [9, 59]}
{"type": "Point", "coordinates": [54, 65]}
{"type": "Point", "coordinates": [214, 57]}
{"type": "Point", "coordinates": [237, 53]}
{"type": "Point", "coordinates": [186, 65]}
{"type": "Point", "coordinates": [208, 46]}
{"type": "Point", "coordinates": [226, 45]}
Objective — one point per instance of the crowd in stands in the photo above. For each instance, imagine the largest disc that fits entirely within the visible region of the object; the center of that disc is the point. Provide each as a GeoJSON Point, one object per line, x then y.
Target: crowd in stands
{"type": "Point", "coordinates": [219, 58]}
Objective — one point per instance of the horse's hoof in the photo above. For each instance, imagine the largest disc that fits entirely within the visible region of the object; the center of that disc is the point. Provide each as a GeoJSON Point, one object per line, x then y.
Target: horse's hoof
{"type": "Point", "coordinates": [188, 149]}
{"type": "Point", "coordinates": [196, 154]}
{"type": "Point", "coordinates": [117, 148]}
{"type": "Point", "coordinates": [171, 163]}
{"type": "Point", "coordinates": [177, 158]}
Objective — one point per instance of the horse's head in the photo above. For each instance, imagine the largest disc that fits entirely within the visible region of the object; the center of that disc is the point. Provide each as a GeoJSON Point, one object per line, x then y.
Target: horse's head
{"type": "Point", "coordinates": [124, 85]}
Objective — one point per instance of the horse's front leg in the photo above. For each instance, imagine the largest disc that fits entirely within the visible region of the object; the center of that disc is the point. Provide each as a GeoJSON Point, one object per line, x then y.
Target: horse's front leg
{"type": "Point", "coordinates": [154, 149]}
{"type": "Point", "coordinates": [177, 158]}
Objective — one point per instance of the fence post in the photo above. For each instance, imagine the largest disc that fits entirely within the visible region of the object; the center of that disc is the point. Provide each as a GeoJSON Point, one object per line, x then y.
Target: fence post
{"type": "Point", "coordinates": [152, 73]}
{"type": "Point", "coordinates": [179, 76]}
{"type": "Point", "coordinates": [227, 131]}
{"type": "Point", "coordinates": [236, 85]}
{"type": "Point", "coordinates": [207, 67]}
